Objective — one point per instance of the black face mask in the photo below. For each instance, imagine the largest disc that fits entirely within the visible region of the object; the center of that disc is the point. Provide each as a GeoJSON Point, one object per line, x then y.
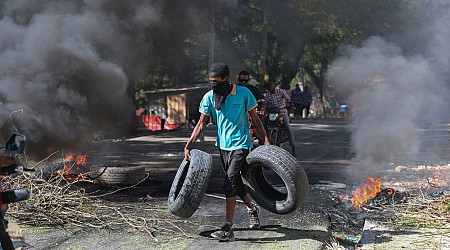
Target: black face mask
{"type": "Point", "coordinates": [221, 91]}
{"type": "Point", "coordinates": [222, 88]}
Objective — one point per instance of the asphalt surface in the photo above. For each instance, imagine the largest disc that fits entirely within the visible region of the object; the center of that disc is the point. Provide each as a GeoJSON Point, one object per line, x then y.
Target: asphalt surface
{"type": "Point", "coordinates": [162, 153]}
{"type": "Point", "coordinates": [323, 149]}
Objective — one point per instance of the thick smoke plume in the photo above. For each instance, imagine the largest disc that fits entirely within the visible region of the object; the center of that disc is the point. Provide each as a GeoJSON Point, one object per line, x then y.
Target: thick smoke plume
{"type": "Point", "coordinates": [53, 67]}
{"type": "Point", "coordinates": [395, 94]}
{"type": "Point", "coordinates": [66, 65]}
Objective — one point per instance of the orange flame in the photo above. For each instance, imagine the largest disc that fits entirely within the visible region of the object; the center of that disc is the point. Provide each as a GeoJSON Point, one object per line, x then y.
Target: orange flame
{"type": "Point", "coordinates": [69, 162]}
{"type": "Point", "coordinates": [81, 160]}
{"type": "Point", "coordinates": [368, 191]}
{"type": "Point", "coordinates": [69, 157]}
{"type": "Point", "coordinates": [390, 191]}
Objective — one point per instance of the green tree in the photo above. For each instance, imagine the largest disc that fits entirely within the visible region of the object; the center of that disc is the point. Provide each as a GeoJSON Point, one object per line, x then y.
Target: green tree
{"type": "Point", "coordinates": [336, 22]}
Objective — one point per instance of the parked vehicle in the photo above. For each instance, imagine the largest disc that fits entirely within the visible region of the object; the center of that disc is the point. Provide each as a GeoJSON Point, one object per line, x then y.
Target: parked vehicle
{"type": "Point", "coordinates": [276, 131]}
{"type": "Point", "coordinates": [9, 167]}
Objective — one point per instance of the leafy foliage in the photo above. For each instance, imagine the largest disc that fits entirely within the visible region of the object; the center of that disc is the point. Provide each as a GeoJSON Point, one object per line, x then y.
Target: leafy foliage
{"type": "Point", "coordinates": [302, 36]}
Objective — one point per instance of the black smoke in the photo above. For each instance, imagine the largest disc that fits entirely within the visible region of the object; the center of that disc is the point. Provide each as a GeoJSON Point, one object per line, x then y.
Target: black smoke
{"type": "Point", "coordinates": [69, 66]}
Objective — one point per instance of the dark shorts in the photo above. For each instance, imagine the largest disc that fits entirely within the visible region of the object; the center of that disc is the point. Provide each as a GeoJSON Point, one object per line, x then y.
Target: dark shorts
{"type": "Point", "coordinates": [232, 164]}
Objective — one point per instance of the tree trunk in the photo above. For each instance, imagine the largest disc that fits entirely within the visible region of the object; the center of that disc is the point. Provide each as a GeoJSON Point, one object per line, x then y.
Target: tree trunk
{"type": "Point", "coordinates": [319, 80]}
{"type": "Point", "coordinates": [323, 73]}
{"type": "Point", "coordinates": [296, 66]}
{"type": "Point", "coordinates": [262, 68]}
{"type": "Point", "coordinates": [211, 40]}
{"type": "Point", "coordinates": [301, 72]}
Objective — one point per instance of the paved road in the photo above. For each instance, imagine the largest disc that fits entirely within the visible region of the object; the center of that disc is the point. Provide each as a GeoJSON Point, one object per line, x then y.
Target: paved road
{"type": "Point", "coordinates": [161, 154]}
{"type": "Point", "coordinates": [323, 148]}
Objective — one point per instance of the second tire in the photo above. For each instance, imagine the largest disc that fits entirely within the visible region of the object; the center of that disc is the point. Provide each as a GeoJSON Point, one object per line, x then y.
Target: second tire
{"type": "Point", "coordinates": [286, 166]}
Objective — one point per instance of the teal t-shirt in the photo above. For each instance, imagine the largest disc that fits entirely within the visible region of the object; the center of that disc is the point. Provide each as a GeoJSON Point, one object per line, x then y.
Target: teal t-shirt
{"type": "Point", "coordinates": [233, 126]}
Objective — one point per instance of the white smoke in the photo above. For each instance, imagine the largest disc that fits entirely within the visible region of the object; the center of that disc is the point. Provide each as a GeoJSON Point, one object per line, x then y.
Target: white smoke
{"type": "Point", "coordinates": [393, 94]}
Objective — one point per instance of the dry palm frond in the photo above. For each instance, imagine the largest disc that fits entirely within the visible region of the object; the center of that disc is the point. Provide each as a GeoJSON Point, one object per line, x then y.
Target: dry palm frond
{"type": "Point", "coordinates": [333, 245]}
{"type": "Point", "coordinates": [57, 201]}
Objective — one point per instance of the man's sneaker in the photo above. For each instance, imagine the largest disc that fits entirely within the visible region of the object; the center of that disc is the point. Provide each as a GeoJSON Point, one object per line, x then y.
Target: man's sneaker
{"type": "Point", "coordinates": [226, 233]}
{"type": "Point", "coordinates": [254, 217]}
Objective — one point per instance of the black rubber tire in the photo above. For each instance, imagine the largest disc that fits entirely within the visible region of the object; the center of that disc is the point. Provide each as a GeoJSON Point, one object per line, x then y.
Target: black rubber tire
{"type": "Point", "coordinates": [118, 175]}
{"type": "Point", "coordinates": [274, 136]}
{"type": "Point", "coordinates": [287, 168]}
{"type": "Point", "coordinates": [190, 184]}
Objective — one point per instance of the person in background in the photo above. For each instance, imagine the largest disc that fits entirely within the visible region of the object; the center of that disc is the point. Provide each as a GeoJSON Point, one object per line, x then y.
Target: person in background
{"type": "Point", "coordinates": [244, 79]}
{"type": "Point", "coordinates": [230, 105]}
{"type": "Point", "coordinates": [290, 105]}
{"type": "Point", "coordinates": [306, 100]}
{"type": "Point", "coordinates": [296, 99]}
{"type": "Point", "coordinates": [277, 98]}
{"type": "Point", "coordinates": [334, 107]}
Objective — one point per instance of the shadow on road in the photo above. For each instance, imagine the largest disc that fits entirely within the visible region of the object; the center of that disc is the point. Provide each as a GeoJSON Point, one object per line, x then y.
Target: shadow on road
{"type": "Point", "coordinates": [276, 233]}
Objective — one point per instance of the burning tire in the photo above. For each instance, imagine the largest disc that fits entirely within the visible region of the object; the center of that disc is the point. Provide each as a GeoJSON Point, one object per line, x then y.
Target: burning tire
{"type": "Point", "coordinates": [118, 175]}
{"type": "Point", "coordinates": [189, 184]}
{"type": "Point", "coordinates": [275, 180]}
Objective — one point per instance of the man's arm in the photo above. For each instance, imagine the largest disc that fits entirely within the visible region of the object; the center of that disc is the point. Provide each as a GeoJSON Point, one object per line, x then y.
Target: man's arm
{"type": "Point", "coordinates": [286, 96]}
{"type": "Point", "coordinates": [259, 127]}
{"type": "Point", "coordinates": [202, 121]}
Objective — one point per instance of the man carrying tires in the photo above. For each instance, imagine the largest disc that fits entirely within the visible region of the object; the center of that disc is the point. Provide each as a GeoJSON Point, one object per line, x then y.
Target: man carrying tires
{"type": "Point", "coordinates": [229, 105]}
